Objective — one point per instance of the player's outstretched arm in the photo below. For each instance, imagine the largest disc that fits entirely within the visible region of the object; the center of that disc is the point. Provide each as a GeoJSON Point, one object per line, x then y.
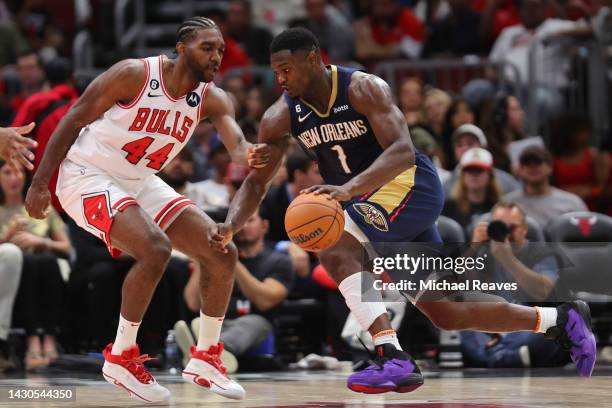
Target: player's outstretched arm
{"type": "Point", "coordinates": [273, 130]}
{"type": "Point", "coordinates": [220, 110]}
{"type": "Point", "coordinates": [121, 83]}
{"type": "Point", "coordinates": [372, 97]}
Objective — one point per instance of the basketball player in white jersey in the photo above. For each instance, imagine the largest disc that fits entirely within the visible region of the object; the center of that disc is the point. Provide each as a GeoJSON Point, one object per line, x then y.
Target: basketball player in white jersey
{"type": "Point", "coordinates": [130, 122]}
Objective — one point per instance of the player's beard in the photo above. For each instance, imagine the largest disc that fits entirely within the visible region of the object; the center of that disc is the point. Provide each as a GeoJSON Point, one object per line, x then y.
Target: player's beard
{"type": "Point", "coordinates": [198, 71]}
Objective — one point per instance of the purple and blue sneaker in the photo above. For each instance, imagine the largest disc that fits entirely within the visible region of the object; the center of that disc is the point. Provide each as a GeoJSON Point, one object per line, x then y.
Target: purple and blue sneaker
{"type": "Point", "coordinates": [574, 333]}
{"type": "Point", "coordinates": [391, 370]}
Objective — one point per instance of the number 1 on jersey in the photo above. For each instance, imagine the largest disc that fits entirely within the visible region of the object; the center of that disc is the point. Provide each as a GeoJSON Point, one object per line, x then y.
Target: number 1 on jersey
{"type": "Point", "coordinates": [342, 157]}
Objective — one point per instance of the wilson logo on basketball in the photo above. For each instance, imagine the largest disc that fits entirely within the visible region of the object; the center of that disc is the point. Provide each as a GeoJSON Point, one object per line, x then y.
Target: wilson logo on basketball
{"type": "Point", "coordinates": [303, 238]}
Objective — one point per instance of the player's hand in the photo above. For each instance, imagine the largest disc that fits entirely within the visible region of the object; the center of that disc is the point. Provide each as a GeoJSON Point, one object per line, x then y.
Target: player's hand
{"type": "Point", "coordinates": [37, 200]}
{"type": "Point", "coordinates": [480, 232]}
{"type": "Point", "coordinates": [258, 155]}
{"type": "Point", "coordinates": [14, 148]}
{"type": "Point", "coordinates": [339, 193]}
{"type": "Point", "coordinates": [221, 237]}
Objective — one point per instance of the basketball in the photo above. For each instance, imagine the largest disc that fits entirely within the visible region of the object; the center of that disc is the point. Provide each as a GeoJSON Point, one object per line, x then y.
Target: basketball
{"type": "Point", "coordinates": [314, 222]}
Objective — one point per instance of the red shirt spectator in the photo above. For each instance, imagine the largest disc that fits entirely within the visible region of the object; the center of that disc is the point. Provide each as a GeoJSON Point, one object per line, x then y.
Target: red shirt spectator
{"type": "Point", "coordinates": [40, 102]}
{"type": "Point", "coordinates": [504, 16]}
{"type": "Point", "coordinates": [233, 57]}
{"type": "Point", "coordinates": [46, 109]}
{"type": "Point", "coordinates": [389, 31]}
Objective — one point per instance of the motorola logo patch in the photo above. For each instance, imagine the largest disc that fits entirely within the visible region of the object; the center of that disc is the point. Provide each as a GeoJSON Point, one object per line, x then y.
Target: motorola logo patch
{"type": "Point", "coordinates": [193, 99]}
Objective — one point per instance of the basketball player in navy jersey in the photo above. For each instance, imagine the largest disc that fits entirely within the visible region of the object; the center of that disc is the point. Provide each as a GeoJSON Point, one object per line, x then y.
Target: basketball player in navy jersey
{"type": "Point", "coordinates": [391, 193]}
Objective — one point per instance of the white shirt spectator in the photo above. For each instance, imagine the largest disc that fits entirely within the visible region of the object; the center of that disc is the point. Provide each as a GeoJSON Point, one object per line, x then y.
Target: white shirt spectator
{"type": "Point", "coordinates": [208, 194]}
{"type": "Point", "coordinates": [513, 46]}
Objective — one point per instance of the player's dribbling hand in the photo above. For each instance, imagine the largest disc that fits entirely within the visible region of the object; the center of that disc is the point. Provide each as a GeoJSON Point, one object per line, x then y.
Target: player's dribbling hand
{"type": "Point", "coordinates": [37, 200]}
{"type": "Point", "coordinates": [221, 237]}
{"type": "Point", "coordinates": [258, 155]}
{"type": "Point", "coordinates": [339, 193]}
{"type": "Point", "coordinates": [14, 147]}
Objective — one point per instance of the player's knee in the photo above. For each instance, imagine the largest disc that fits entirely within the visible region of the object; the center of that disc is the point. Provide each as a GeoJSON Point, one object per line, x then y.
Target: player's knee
{"type": "Point", "coordinates": [222, 263]}
{"type": "Point", "coordinates": [160, 250]}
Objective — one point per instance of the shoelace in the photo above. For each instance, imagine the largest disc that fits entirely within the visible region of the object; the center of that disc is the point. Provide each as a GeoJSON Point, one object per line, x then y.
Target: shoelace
{"type": "Point", "coordinates": [375, 359]}
{"type": "Point", "coordinates": [214, 358]}
{"type": "Point", "coordinates": [136, 366]}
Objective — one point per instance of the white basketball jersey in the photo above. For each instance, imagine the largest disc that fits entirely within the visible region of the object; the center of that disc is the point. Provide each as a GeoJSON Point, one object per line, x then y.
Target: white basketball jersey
{"type": "Point", "coordinates": [136, 140]}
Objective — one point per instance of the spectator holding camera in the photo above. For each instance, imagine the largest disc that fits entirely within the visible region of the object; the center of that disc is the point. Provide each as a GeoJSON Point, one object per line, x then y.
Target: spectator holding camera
{"type": "Point", "coordinates": [538, 198]}
{"type": "Point", "coordinates": [535, 271]}
{"type": "Point", "coordinates": [477, 189]}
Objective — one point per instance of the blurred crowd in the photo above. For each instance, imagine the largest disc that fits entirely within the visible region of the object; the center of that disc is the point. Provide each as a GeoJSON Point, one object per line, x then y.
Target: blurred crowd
{"type": "Point", "coordinates": [62, 289]}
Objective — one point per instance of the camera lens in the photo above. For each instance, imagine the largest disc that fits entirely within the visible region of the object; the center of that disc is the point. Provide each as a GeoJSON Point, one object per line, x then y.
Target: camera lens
{"type": "Point", "coordinates": [498, 231]}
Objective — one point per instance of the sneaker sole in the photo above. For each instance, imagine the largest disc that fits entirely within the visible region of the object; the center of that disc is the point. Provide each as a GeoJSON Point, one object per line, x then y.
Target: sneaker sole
{"type": "Point", "coordinates": [402, 388]}
{"type": "Point", "coordinates": [131, 393]}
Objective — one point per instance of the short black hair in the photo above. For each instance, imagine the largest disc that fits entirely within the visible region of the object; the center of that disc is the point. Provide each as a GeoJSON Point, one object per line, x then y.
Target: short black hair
{"type": "Point", "coordinates": [58, 70]}
{"type": "Point", "coordinates": [297, 160]}
{"type": "Point", "coordinates": [190, 26]}
{"type": "Point", "coordinates": [293, 39]}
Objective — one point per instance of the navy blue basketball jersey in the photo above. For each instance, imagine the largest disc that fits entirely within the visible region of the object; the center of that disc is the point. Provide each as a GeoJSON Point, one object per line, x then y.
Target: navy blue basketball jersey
{"type": "Point", "coordinates": [341, 138]}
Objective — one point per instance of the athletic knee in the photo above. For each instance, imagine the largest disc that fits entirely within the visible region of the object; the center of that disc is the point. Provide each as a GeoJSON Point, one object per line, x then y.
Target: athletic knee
{"type": "Point", "coordinates": [158, 250]}
{"type": "Point", "coordinates": [221, 263]}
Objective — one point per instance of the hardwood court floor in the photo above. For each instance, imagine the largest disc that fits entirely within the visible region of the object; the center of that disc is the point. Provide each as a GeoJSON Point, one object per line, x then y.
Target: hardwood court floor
{"type": "Point", "coordinates": [448, 389]}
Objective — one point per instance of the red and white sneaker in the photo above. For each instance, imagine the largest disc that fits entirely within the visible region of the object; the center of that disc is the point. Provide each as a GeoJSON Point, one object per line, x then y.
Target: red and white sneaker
{"type": "Point", "coordinates": [205, 369]}
{"type": "Point", "coordinates": [127, 371]}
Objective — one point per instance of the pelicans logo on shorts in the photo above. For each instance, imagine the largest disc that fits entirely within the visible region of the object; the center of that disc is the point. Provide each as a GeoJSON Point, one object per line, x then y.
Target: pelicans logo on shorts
{"type": "Point", "coordinates": [372, 216]}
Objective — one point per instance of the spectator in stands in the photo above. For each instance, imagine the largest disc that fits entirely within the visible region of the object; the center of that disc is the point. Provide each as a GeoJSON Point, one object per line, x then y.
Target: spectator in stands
{"type": "Point", "coordinates": [388, 31]}
{"type": "Point", "coordinates": [538, 198]}
{"type": "Point", "coordinates": [430, 11]}
{"type": "Point", "coordinates": [436, 104]}
{"type": "Point", "coordinates": [459, 113]}
{"type": "Point", "coordinates": [425, 143]}
{"type": "Point", "coordinates": [31, 77]}
{"type": "Point", "coordinates": [12, 41]}
{"type": "Point", "coordinates": [213, 192]}
{"type": "Point", "coordinates": [198, 145]}
{"type": "Point", "coordinates": [503, 120]}
{"type": "Point", "coordinates": [253, 39]}
{"type": "Point", "coordinates": [477, 190]}
{"type": "Point", "coordinates": [496, 15]}
{"type": "Point", "coordinates": [39, 298]}
{"type": "Point", "coordinates": [455, 35]}
{"type": "Point", "coordinates": [234, 55]}
{"type": "Point", "coordinates": [410, 100]}
{"type": "Point", "coordinates": [257, 101]}
{"type": "Point", "coordinates": [302, 172]}
{"type": "Point", "coordinates": [535, 271]}
{"type": "Point", "coordinates": [234, 84]}
{"type": "Point", "coordinates": [467, 137]}
{"type": "Point", "coordinates": [514, 43]}
{"type": "Point", "coordinates": [208, 195]}
{"type": "Point", "coordinates": [11, 261]}
{"type": "Point", "coordinates": [263, 281]}
{"type": "Point", "coordinates": [47, 108]}
{"type": "Point", "coordinates": [333, 30]}
{"type": "Point", "coordinates": [578, 167]}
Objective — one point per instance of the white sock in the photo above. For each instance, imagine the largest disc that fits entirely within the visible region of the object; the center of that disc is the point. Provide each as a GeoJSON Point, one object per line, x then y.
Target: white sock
{"type": "Point", "coordinates": [210, 331]}
{"type": "Point", "coordinates": [547, 318]}
{"type": "Point", "coordinates": [386, 337]}
{"type": "Point", "coordinates": [366, 306]}
{"type": "Point", "coordinates": [126, 335]}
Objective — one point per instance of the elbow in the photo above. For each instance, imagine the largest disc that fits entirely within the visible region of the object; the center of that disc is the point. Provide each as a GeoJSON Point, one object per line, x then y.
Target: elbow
{"type": "Point", "coordinates": [407, 152]}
